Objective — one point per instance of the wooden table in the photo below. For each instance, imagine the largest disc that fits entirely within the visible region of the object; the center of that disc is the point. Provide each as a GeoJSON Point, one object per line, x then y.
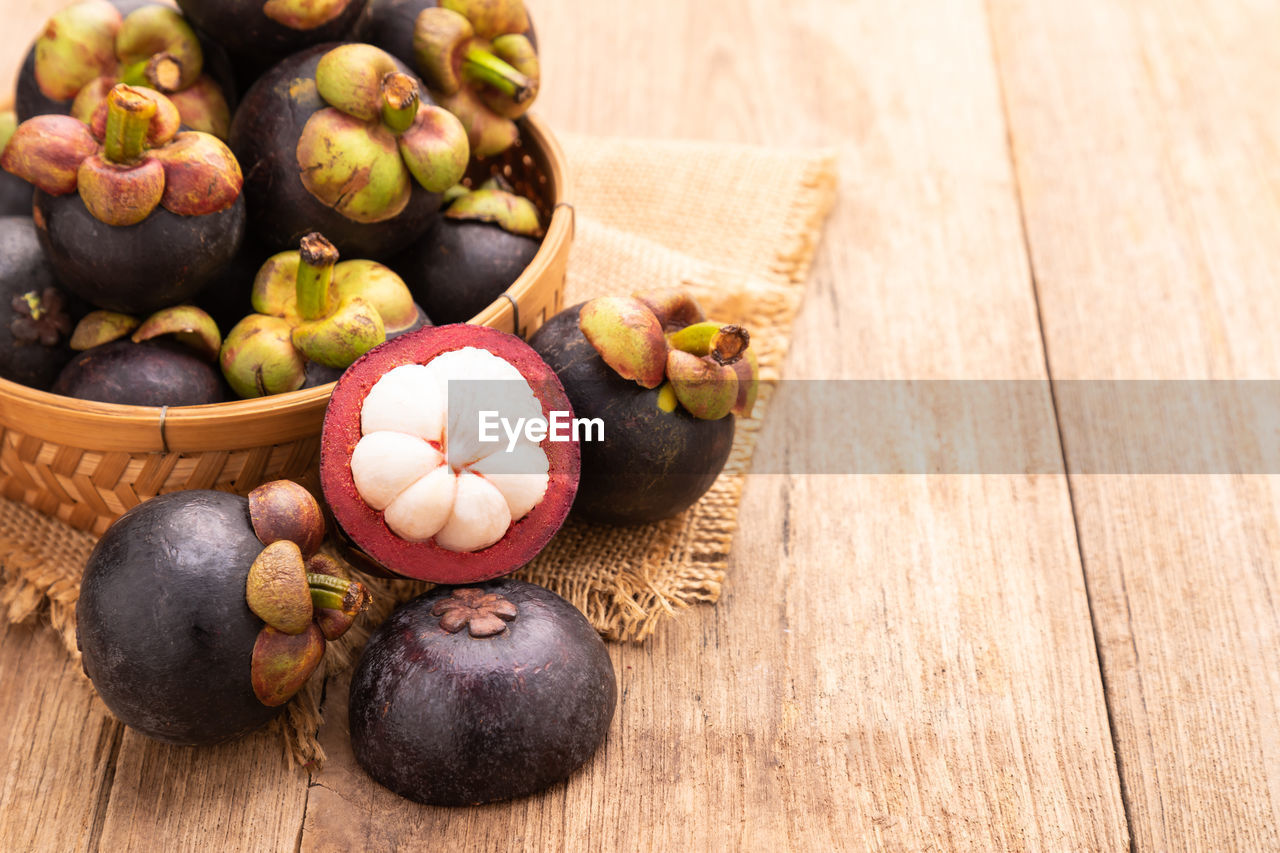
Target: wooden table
{"type": "Point", "coordinates": [1075, 190]}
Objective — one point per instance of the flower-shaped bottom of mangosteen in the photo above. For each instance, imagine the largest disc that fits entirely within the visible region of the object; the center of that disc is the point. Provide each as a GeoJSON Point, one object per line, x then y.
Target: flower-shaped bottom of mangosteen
{"type": "Point", "coordinates": [445, 454]}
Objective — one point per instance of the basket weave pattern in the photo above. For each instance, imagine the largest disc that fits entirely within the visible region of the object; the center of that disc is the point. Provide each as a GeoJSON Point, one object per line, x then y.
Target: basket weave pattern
{"type": "Point", "coordinates": [87, 463]}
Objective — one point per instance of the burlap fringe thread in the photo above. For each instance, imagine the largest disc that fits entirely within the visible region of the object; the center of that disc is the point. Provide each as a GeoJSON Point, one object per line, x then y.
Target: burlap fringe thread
{"type": "Point", "coordinates": [626, 580]}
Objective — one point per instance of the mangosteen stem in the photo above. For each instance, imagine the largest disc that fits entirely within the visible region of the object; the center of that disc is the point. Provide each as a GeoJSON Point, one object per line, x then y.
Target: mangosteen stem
{"type": "Point", "coordinates": [400, 100]}
{"type": "Point", "coordinates": [484, 67]}
{"type": "Point", "coordinates": [315, 273]}
{"type": "Point", "coordinates": [129, 115]}
{"type": "Point", "coordinates": [333, 593]}
{"type": "Point", "coordinates": [724, 345]}
{"type": "Point", "coordinates": [162, 72]}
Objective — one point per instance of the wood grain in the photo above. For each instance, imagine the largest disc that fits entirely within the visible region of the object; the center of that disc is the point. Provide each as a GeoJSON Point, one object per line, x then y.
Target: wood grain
{"type": "Point", "coordinates": [1146, 152]}
{"type": "Point", "coordinates": [57, 745]}
{"type": "Point", "coordinates": [898, 662]}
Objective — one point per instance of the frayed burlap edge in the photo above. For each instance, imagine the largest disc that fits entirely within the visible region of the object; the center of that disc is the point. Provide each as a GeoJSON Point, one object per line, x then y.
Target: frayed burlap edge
{"type": "Point", "coordinates": [684, 559]}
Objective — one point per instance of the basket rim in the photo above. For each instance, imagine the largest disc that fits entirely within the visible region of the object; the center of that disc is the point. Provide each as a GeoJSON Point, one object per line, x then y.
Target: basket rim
{"type": "Point", "coordinates": [111, 427]}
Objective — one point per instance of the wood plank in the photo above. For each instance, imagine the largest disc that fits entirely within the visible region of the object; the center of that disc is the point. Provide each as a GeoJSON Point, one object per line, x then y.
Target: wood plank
{"type": "Point", "coordinates": [236, 796]}
{"type": "Point", "coordinates": [1146, 143]}
{"type": "Point", "coordinates": [57, 745]}
{"type": "Point", "coordinates": [898, 662]}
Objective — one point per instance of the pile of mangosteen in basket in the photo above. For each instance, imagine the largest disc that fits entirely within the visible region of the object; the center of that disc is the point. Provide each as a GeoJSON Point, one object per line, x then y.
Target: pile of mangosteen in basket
{"type": "Point", "coordinates": [247, 198]}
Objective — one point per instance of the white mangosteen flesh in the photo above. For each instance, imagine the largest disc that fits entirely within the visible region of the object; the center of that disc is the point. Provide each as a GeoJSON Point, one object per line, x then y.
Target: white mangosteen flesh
{"type": "Point", "coordinates": [422, 459]}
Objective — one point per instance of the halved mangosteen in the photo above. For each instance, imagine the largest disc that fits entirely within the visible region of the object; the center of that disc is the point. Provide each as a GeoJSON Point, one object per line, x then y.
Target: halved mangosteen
{"type": "Point", "coordinates": [344, 140]}
{"type": "Point", "coordinates": [202, 612]}
{"type": "Point", "coordinates": [476, 694]}
{"type": "Point", "coordinates": [448, 455]}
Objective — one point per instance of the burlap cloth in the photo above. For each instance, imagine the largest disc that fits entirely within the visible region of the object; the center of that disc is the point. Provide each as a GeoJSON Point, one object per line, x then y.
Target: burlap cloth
{"type": "Point", "coordinates": [737, 226]}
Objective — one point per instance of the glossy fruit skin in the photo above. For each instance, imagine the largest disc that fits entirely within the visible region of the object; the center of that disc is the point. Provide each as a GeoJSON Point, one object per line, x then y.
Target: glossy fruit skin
{"type": "Point", "coordinates": [29, 101]}
{"type": "Point", "coordinates": [151, 373]}
{"type": "Point", "coordinates": [162, 261]}
{"type": "Point", "coordinates": [389, 25]}
{"type": "Point", "coordinates": [15, 196]}
{"type": "Point", "coordinates": [652, 464]}
{"type": "Point", "coordinates": [370, 541]}
{"type": "Point", "coordinates": [162, 624]}
{"type": "Point", "coordinates": [460, 267]}
{"type": "Point", "coordinates": [450, 719]}
{"type": "Point", "coordinates": [244, 29]}
{"type": "Point", "coordinates": [264, 137]}
{"type": "Point", "coordinates": [23, 269]}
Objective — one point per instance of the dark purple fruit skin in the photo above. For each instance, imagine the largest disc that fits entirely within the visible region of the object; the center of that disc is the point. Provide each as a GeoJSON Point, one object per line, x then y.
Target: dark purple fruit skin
{"type": "Point", "coordinates": [460, 267]}
{"type": "Point", "coordinates": [15, 196]}
{"type": "Point", "coordinates": [23, 269]}
{"type": "Point", "coordinates": [152, 373]}
{"type": "Point", "coordinates": [389, 25]}
{"type": "Point", "coordinates": [264, 137]}
{"type": "Point", "coordinates": [162, 624]}
{"type": "Point", "coordinates": [29, 101]}
{"type": "Point", "coordinates": [652, 464]}
{"type": "Point", "coordinates": [256, 41]}
{"type": "Point", "coordinates": [162, 261]}
{"type": "Point", "coordinates": [449, 719]}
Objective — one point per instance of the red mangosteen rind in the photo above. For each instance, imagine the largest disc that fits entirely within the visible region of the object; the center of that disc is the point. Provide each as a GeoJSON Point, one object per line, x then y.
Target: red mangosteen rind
{"type": "Point", "coordinates": [365, 527]}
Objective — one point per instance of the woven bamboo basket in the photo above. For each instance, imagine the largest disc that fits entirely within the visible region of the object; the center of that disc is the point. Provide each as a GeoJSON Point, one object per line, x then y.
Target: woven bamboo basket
{"type": "Point", "coordinates": [86, 463]}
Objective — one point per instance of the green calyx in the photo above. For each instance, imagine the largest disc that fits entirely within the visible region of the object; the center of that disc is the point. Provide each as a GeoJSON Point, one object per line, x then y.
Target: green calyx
{"type": "Point", "coordinates": [361, 154]}
{"type": "Point", "coordinates": [298, 593]}
{"type": "Point", "coordinates": [89, 47]}
{"type": "Point", "coordinates": [304, 14]}
{"type": "Point", "coordinates": [8, 124]}
{"type": "Point", "coordinates": [312, 308]}
{"type": "Point", "coordinates": [707, 368]}
{"type": "Point", "coordinates": [186, 324]}
{"type": "Point", "coordinates": [126, 160]}
{"type": "Point", "coordinates": [510, 212]}
{"type": "Point", "coordinates": [479, 65]}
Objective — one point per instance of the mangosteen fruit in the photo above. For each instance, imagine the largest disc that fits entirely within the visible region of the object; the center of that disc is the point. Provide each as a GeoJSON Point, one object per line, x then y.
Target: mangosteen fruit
{"type": "Point", "coordinates": [473, 694]}
{"type": "Point", "coordinates": [165, 360]}
{"type": "Point", "coordinates": [448, 454]}
{"type": "Point", "coordinates": [133, 215]}
{"type": "Point", "coordinates": [35, 314]}
{"type": "Point", "coordinates": [341, 139]}
{"type": "Point", "coordinates": [259, 33]}
{"type": "Point", "coordinates": [15, 193]}
{"type": "Point", "coordinates": [478, 57]}
{"type": "Point", "coordinates": [472, 254]}
{"type": "Point", "coordinates": [314, 317]}
{"type": "Point", "coordinates": [666, 385]}
{"type": "Point", "coordinates": [88, 47]}
{"type": "Point", "coordinates": [202, 612]}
